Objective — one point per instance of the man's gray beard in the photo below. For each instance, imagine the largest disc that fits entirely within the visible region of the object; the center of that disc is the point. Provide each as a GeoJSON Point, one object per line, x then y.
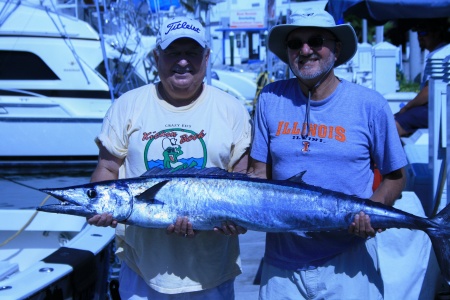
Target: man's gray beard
{"type": "Point", "coordinates": [325, 69]}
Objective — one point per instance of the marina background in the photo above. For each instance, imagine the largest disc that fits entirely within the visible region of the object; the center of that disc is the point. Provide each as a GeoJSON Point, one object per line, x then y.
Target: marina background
{"type": "Point", "coordinates": [62, 63]}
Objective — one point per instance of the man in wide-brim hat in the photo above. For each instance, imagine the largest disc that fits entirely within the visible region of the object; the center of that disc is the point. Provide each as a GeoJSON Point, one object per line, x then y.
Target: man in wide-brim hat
{"type": "Point", "coordinates": [343, 34]}
{"type": "Point", "coordinates": [336, 131]}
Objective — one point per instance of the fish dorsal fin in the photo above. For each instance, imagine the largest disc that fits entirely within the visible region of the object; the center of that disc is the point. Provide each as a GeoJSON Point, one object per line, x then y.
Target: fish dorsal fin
{"type": "Point", "coordinates": [194, 172]}
{"type": "Point", "coordinates": [298, 178]}
{"type": "Point", "coordinates": [149, 194]}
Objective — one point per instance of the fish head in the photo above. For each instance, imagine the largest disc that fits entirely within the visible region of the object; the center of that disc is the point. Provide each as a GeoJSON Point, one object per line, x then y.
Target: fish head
{"type": "Point", "coordinates": [92, 199]}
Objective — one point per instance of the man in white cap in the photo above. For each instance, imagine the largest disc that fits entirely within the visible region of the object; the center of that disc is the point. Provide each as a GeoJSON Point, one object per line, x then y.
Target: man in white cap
{"type": "Point", "coordinates": [179, 122]}
{"type": "Point", "coordinates": [336, 131]}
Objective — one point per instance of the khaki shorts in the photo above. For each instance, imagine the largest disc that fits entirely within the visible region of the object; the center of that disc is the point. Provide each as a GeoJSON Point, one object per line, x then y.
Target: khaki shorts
{"type": "Point", "coordinates": [133, 287]}
{"type": "Point", "coordinates": [351, 275]}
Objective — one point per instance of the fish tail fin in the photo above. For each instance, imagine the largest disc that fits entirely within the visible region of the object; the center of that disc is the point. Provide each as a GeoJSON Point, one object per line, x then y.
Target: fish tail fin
{"type": "Point", "coordinates": [440, 239]}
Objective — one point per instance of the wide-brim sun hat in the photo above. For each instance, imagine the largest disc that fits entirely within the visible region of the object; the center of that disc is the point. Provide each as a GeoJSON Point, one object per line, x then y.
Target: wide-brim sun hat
{"type": "Point", "coordinates": [313, 18]}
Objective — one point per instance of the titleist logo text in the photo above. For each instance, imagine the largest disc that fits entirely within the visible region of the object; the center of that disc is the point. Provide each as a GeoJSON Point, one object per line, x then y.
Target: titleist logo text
{"type": "Point", "coordinates": [178, 25]}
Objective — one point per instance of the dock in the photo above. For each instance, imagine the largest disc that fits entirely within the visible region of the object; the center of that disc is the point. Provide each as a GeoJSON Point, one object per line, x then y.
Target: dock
{"type": "Point", "coordinates": [252, 246]}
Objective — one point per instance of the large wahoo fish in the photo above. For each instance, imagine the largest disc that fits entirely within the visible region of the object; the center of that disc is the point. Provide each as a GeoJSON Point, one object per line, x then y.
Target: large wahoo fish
{"type": "Point", "coordinates": [209, 197]}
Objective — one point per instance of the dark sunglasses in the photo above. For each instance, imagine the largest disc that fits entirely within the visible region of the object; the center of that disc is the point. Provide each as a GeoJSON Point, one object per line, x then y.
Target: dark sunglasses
{"type": "Point", "coordinates": [422, 33]}
{"type": "Point", "coordinates": [313, 42]}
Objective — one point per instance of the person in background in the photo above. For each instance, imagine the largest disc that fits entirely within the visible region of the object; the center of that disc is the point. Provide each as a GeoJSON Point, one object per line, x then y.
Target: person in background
{"type": "Point", "coordinates": [432, 35]}
{"type": "Point", "coordinates": [335, 131]}
{"type": "Point", "coordinates": [177, 123]}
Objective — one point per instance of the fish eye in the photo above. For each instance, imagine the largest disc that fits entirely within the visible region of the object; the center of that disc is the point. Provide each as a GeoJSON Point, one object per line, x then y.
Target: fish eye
{"type": "Point", "coordinates": [91, 193]}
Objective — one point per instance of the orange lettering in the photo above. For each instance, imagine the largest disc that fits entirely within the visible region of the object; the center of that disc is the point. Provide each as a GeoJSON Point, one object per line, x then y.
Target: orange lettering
{"type": "Point", "coordinates": [295, 130]}
{"type": "Point", "coordinates": [280, 125]}
{"type": "Point", "coordinates": [340, 134]}
{"type": "Point", "coordinates": [322, 131]}
{"type": "Point", "coordinates": [330, 133]}
{"type": "Point", "coordinates": [305, 147]}
{"type": "Point", "coordinates": [286, 129]}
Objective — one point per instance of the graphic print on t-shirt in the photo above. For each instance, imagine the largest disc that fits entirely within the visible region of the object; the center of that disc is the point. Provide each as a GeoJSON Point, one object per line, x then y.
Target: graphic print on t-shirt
{"type": "Point", "coordinates": [319, 131]}
{"type": "Point", "coordinates": [175, 148]}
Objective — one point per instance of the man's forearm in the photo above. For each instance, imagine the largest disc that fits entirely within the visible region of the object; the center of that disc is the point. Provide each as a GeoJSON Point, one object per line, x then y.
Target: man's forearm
{"type": "Point", "coordinates": [390, 188]}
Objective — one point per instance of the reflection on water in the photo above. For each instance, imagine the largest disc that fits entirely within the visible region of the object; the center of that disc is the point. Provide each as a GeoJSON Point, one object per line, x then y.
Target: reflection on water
{"type": "Point", "coordinates": [18, 187]}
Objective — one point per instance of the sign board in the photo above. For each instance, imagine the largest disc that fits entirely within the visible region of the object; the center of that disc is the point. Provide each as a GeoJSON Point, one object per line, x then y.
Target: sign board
{"type": "Point", "coordinates": [248, 18]}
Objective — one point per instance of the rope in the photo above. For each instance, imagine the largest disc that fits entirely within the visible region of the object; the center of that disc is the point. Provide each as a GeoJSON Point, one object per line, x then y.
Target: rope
{"type": "Point", "coordinates": [67, 40]}
{"type": "Point", "coordinates": [24, 226]}
{"type": "Point", "coordinates": [261, 81]}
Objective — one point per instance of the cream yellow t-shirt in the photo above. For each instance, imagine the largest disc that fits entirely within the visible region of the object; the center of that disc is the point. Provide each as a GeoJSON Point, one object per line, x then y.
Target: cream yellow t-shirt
{"type": "Point", "coordinates": [213, 131]}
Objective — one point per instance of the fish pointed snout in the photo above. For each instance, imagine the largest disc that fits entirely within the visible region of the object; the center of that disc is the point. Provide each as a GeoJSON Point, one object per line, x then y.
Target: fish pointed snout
{"type": "Point", "coordinates": [54, 193]}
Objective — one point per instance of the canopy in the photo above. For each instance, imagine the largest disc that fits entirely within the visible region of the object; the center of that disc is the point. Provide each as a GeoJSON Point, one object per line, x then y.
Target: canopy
{"type": "Point", "coordinates": [381, 11]}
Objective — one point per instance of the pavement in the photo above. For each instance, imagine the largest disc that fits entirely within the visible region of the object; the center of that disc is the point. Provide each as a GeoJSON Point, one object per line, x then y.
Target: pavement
{"type": "Point", "coordinates": [252, 246]}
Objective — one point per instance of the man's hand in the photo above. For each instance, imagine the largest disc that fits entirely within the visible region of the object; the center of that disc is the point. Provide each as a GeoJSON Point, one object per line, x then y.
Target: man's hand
{"type": "Point", "coordinates": [361, 226]}
{"type": "Point", "coordinates": [182, 227]}
{"type": "Point", "coordinates": [229, 228]}
{"type": "Point", "coordinates": [103, 220]}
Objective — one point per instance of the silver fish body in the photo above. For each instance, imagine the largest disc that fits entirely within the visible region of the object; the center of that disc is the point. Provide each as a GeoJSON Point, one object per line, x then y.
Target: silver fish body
{"type": "Point", "coordinates": [209, 197]}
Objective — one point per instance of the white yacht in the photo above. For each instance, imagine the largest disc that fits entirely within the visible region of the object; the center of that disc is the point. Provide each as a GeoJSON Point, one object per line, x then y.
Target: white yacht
{"type": "Point", "coordinates": [53, 98]}
{"type": "Point", "coordinates": [54, 85]}
{"type": "Point", "coordinates": [53, 95]}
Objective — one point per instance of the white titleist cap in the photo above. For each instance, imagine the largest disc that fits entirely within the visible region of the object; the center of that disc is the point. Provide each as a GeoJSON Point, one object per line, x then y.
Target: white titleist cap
{"type": "Point", "coordinates": [180, 27]}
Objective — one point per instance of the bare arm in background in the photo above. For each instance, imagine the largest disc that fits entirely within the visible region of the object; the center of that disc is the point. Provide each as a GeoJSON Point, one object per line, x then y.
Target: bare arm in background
{"type": "Point", "coordinates": [420, 99]}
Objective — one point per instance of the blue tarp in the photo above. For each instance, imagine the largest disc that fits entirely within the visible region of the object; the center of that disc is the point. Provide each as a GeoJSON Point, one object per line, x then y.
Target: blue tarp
{"type": "Point", "coordinates": [160, 4]}
{"type": "Point", "coordinates": [381, 11]}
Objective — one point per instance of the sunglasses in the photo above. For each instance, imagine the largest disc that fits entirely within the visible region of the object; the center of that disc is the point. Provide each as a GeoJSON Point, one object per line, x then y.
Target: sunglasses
{"type": "Point", "coordinates": [313, 42]}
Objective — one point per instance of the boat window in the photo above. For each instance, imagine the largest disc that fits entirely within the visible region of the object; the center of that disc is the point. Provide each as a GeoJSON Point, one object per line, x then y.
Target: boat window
{"type": "Point", "coordinates": [22, 65]}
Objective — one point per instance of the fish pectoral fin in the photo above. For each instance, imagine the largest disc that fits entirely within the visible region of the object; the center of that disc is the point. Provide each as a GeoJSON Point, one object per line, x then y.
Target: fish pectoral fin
{"type": "Point", "coordinates": [301, 233]}
{"type": "Point", "coordinates": [150, 194]}
{"type": "Point", "coordinates": [156, 201]}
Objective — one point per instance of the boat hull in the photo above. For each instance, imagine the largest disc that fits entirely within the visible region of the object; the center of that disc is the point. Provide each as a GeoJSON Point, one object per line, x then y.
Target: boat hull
{"type": "Point", "coordinates": [53, 255]}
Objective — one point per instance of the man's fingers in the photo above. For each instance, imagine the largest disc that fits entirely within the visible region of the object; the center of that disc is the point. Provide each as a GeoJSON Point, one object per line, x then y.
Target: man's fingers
{"type": "Point", "coordinates": [103, 220]}
{"type": "Point", "coordinates": [178, 224]}
{"type": "Point", "coordinates": [170, 229]}
{"type": "Point", "coordinates": [241, 230]}
{"type": "Point", "coordinates": [190, 230]}
{"type": "Point", "coordinates": [229, 228]}
{"type": "Point", "coordinates": [182, 227]}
